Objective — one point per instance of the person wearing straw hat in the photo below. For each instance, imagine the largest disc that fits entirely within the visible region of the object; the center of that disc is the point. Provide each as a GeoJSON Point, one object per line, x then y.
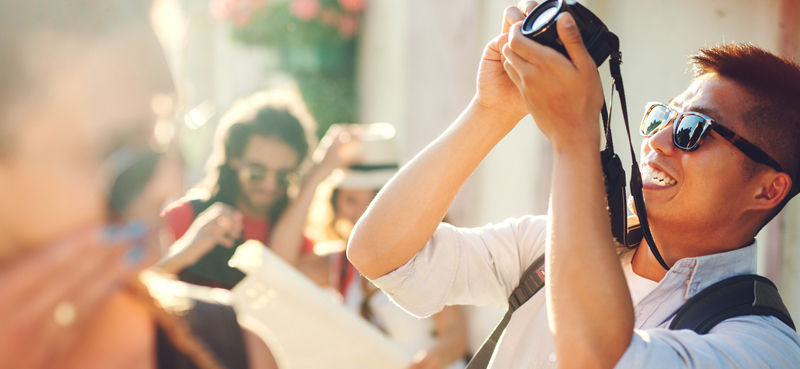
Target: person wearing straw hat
{"type": "Point", "coordinates": [436, 342]}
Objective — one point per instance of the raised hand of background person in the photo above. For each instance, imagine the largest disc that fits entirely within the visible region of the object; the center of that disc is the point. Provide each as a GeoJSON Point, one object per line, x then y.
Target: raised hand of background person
{"type": "Point", "coordinates": [563, 95]}
{"type": "Point", "coordinates": [496, 91]}
{"type": "Point", "coordinates": [338, 148]}
{"type": "Point", "coordinates": [49, 296]}
{"type": "Point", "coordinates": [220, 224]}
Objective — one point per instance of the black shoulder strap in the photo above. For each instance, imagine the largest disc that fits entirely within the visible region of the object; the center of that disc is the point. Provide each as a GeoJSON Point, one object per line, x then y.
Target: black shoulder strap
{"type": "Point", "coordinates": [531, 282]}
{"type": "Point", "coordinates": [736, 296]}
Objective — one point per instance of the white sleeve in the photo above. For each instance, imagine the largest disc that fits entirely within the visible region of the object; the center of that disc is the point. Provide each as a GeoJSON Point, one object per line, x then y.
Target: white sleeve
{"type": "Point", "coordinates": [473, 266]}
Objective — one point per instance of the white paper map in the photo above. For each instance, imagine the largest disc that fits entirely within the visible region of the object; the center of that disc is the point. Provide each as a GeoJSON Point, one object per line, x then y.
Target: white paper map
{"type": "Point", "coordinates": [305, 326]}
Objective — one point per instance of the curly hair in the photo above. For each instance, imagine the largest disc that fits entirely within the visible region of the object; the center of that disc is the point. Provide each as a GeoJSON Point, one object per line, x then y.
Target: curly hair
{"type": "Point", "coordinates": [276, 114]}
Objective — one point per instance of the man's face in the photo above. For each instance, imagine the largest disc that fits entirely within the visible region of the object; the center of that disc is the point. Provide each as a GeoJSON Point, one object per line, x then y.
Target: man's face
{"type": "Point", "coordinates": [262, 170]}
{"type": "Point", "coordinates": [704, 189]}
{"type": "Point", "coordinates": [53, 181]}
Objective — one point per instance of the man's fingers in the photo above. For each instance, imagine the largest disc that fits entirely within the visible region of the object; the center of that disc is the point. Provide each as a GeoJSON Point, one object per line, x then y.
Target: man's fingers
{"type": "Point", "coordinates": [512, 15]}
{"type": "Point", "coordinates": [532, 51]}
{"type": "Point", "coordinates": [571, 38]}
{"type": "Point", "coordinates": [527, 5]}
{"type": "Point", "coordinates": [515, 66]}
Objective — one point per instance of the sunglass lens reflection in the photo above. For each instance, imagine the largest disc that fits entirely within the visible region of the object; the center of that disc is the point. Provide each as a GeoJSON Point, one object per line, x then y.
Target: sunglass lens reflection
{"type": "Point", "coordinates": [654, 120]}
{"type": "Point", "coordinates": [688, 131]}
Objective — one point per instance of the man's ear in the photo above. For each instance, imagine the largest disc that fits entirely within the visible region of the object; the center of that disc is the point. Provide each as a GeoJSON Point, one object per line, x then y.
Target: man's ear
{"type": "Point", "coordinates": [772, 190]}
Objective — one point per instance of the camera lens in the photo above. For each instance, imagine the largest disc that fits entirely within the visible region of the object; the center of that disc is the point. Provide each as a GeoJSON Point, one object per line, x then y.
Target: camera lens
{"type": "Point", "coordinates": [543, 19]}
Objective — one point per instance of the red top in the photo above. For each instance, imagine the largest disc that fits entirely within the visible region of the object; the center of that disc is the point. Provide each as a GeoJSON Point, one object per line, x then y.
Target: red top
{"type": "Point", "coordinates": [180, 214]}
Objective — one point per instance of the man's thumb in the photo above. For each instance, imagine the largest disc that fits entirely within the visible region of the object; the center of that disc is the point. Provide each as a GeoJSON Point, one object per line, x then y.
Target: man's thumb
{"type": "Point", "coordinates": [571, 38]}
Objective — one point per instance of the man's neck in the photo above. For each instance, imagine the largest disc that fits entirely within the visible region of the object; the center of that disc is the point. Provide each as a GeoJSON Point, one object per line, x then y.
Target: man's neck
{"type": "Point", "coordinates": [672, 249]}
{"type": "Point", "coordinates": [645, 265]}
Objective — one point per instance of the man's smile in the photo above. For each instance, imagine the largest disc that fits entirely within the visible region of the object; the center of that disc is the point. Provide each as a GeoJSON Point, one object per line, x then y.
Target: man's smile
{"type": "Point", "coordinates": [656, 177]}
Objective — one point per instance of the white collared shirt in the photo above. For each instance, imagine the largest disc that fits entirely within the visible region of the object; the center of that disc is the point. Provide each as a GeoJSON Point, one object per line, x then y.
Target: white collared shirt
{"type": "Point", "coordinates": [481, 266]}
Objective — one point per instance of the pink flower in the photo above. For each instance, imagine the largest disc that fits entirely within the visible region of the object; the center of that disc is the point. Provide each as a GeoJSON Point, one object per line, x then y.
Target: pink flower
{"type": "Point", "coordinates": [241, 19]}
{"type": "Point", "coordinates": [304, 9]}
{"type": "Point", "coordinates": [353, 6]}
{"type": "Point", "coordinates": [239, 11]}
{"type": "Point", "coordinates": [348, 26]}
{"type": "Point", "coordinates": [221, 9]}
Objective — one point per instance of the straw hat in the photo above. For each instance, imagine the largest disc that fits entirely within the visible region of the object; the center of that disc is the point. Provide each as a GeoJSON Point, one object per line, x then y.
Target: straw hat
{"type": "Point", "coordinates": [378, 148]}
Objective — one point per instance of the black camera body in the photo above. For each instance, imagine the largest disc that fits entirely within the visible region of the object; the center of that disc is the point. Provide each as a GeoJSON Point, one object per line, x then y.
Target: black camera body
{"type": "Point", "coordinates": [540, 26]}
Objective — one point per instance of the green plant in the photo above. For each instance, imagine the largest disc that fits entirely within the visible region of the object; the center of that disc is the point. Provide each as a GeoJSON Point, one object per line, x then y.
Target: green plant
{"type": "Point", "coordinates": [317, 41]}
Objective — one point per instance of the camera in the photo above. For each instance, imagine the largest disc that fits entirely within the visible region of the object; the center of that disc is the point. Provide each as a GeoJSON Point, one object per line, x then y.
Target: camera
{"type": "Point", "coordinates": [540, 26]}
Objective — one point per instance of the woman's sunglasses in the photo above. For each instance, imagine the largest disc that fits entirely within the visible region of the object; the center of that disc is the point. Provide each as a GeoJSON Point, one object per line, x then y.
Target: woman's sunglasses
{"type": "Point", "coordinates": [688, 129]}
{"type": "Point", "coordinates": [256, 173]}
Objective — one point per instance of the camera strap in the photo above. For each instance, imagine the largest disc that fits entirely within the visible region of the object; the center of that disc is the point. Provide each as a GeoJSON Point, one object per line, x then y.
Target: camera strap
{"type": "Point", "coordinates": [612, 168]}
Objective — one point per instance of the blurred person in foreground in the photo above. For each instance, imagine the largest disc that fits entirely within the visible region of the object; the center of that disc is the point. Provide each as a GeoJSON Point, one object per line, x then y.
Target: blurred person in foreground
{"type": "Point", "coordinates": [82, 85]}
{"type": "Point", "coordinates": [603, 305]}
{"type": "Point", "coordinates": [260, 148]}
{"type": "Point", "coordinates": [437, 342]}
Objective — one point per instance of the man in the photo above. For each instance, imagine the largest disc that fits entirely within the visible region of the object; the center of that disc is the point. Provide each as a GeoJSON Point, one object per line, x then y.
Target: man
{"type": "Point", "coordinates": [260, 145]}
{"type": "Point", "coordinates": [706, 201]}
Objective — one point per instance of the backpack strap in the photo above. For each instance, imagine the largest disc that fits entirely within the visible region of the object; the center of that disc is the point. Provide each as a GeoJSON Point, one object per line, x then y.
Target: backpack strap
{"type": "Point", "coordinates": [736, 296]}
{"type": "Point", "coordinates": [531, 282]}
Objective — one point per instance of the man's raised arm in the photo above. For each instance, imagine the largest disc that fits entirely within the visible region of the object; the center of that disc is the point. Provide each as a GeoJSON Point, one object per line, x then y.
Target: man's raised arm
{"type": "Point", "coordinates": [588, 302]}
{"type": "Point", "coordinates": [408, 209]}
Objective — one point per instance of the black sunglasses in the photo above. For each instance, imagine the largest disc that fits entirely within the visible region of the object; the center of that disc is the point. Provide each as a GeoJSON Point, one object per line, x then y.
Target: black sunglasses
{"type": "Point", "coordinates": [689, 127]}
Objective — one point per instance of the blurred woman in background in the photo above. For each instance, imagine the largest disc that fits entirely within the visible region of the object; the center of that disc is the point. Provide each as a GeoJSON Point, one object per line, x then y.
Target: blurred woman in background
{"type": "Point", "coordinates": [256, 188]}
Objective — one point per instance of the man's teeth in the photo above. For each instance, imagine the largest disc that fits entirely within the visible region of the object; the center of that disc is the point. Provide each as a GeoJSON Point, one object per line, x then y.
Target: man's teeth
{"type": "Point", "coordinates": [656, 177]}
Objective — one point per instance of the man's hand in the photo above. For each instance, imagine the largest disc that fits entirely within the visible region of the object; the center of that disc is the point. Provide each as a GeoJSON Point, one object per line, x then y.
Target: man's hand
{"type": "Point", "coordinates": [49, 295]}
{"type": "Point", "coordinates": [496, 91]}
{"type": "Point", "coordinates": [564, 96]}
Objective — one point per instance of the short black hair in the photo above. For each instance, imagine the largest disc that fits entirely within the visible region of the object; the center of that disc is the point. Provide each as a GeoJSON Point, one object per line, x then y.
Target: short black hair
{"type": "Point", "coordinates": [773, 119]}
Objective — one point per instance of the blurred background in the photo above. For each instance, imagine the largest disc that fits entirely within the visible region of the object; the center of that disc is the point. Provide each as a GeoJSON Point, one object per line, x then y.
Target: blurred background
{"type": "Point", "coordinates": [413, 63]}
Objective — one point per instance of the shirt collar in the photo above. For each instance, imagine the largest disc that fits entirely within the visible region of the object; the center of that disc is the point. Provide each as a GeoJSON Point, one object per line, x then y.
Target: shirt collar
{"type": "Point", "coordinates": [703, 271]}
